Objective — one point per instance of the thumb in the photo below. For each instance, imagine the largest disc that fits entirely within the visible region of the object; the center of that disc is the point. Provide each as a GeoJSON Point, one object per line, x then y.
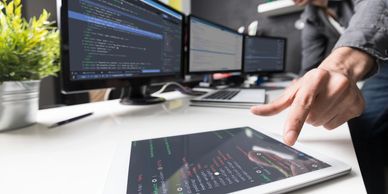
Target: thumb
{"type": "Point", "coordinates": [278, 105]}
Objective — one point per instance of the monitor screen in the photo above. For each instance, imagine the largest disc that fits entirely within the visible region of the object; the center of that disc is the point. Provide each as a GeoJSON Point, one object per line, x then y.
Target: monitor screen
{"type": "Point", "coordinates": [122, 39]}
{"type": "Point", "coordinates": [264, 54]}
{"type": "Point", "coordinates": [213, 48]}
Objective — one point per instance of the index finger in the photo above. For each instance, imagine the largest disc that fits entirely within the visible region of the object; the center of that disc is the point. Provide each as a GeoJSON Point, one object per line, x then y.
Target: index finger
{"type": "Point", "coordinates": [301, 106]}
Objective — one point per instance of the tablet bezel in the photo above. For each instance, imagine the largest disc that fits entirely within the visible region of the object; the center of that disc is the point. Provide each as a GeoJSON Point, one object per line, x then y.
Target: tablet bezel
{"type": "Point", "coordinates": [118, 175]}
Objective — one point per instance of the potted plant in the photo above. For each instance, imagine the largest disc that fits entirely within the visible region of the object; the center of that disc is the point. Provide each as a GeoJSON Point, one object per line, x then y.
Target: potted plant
{"type": "Point", "coordinates": [29, 51]}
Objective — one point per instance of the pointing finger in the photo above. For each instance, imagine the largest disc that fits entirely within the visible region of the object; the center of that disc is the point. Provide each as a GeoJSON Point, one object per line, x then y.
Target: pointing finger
{"type": "Point", "coordinates": [302, 104]}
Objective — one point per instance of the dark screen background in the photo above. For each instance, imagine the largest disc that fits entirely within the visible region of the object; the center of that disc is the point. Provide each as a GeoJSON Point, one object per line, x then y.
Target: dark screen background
{"type": "Point", "coordinates": [264, 54]}
{"type": "Point", "coordinates": [118, 39]}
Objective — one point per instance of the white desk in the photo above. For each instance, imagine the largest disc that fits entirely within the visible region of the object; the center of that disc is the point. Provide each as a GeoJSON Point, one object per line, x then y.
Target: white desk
{"type": "Point", "coordinates": [76, 158]}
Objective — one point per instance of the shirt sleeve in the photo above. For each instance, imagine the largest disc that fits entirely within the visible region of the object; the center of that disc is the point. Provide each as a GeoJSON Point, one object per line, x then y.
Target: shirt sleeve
{"type": "Point", "coordinates": [368, 29]}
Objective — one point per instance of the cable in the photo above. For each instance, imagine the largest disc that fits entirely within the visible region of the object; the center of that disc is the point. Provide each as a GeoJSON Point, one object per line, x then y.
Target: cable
{"type": "Point", "coordinates": [181, 88]}
{"type": "Point", "coordinates": [165, 86]}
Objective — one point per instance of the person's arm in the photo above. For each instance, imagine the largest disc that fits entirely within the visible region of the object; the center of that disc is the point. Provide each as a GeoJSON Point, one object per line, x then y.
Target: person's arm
{"type": "Point", "coordinates": [368, 29]}
{"type": "Point", "coordinates": [328, 96]}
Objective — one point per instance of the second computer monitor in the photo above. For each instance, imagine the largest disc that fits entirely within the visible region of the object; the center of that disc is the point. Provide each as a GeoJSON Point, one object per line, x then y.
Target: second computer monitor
{"type": "Point", "coordinates": [264, 54]}
{"type": "Point", "coordinates": [213, 48]}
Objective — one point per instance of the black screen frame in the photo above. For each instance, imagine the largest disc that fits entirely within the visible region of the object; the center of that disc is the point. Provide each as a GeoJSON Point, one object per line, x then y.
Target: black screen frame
{"type": "Point", "coordinates": [264, 72]}
{"type": "Point", "coordinates": [78, 86]}
{"type": "Point", "coordinates": [188, 71]}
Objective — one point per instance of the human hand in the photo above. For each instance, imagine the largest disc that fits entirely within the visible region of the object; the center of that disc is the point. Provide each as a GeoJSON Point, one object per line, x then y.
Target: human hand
{"type": "Point", "coordinates": [327, 96]}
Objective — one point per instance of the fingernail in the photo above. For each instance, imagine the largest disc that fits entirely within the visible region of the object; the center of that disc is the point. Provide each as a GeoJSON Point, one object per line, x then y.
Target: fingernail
{"type": "Point", "coordinates": [290, 138]}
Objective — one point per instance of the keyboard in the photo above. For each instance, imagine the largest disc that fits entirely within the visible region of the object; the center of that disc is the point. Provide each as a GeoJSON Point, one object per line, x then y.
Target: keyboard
{"type": "Point", "coordinates": [232, 96]}
{"type": "Point", "coordinates": [223, 94]}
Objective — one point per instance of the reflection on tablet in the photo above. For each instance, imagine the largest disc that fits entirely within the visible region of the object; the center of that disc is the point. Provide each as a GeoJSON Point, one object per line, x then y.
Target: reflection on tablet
{"type": "Point", "coordinates": [213, 162]}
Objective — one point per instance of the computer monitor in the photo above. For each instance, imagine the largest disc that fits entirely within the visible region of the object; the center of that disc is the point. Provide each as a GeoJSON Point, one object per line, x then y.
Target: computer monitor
{"type": "Point", "coordinates": [264, 54]}
{"type": "Point", "coordinates": [213, 48]}
{"type": "Point", "coordinates": [122, 44]}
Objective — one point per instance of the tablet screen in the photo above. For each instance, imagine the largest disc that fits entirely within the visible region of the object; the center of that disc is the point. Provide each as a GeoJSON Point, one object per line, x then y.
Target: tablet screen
{"type": "Point", "coordinates": [213, 162]}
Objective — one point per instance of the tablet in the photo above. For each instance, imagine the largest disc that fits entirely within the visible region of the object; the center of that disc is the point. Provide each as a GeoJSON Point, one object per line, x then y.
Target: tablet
{"type": "Point", "coordinates": [242, 160]}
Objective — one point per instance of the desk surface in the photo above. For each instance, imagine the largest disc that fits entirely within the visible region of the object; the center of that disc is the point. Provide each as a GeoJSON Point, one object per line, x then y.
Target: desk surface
{"type": "Point", "coordinates": [76, 158]}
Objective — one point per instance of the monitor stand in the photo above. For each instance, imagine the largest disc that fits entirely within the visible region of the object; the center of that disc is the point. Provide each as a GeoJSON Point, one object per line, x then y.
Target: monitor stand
{"type": "Point", "coordinates": [137, 94]}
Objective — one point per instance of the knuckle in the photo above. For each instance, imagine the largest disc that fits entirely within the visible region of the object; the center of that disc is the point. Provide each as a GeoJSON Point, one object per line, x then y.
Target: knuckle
{"type": "Point", "coordinates": [329, 126]}
{"type": "Point", "coordinates": [315, 124]}
{"type": "Point", "coordinates": [317, 73]}
{"type": "Point", "coordinates": [312, 119]}
{"type": "Point", "coordinates": [321, 74]}
{"type": "Point", "coordinates": [335, 122]}
{"type": "Point", "coordinates": [309, 121]}
{"type": "Point", "coordinates": [343, 82]}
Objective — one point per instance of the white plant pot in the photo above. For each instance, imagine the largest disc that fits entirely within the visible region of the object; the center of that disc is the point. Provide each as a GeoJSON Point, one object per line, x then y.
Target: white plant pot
{"type": "Point", "coordinates": [19, 103]}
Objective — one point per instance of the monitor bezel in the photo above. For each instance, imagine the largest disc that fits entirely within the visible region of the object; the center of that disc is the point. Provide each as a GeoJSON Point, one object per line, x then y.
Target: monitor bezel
{"type": "Point", "coordinates": [261, 72]}
{"type": "Point", "coordinates": [188, 71]}
{"type": "Point", "coordinates": [77, 86]}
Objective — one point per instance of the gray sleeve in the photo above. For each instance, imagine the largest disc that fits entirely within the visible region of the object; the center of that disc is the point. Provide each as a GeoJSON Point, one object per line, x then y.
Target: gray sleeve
{"type": "Point", "coordinates": [368, 29]}
{"type": "Point", "coordinates": [313, 48]}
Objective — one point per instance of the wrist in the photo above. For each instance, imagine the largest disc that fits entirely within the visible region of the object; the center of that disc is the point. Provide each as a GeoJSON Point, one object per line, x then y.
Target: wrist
{"type": "Point", "coordinates": [351, 62]}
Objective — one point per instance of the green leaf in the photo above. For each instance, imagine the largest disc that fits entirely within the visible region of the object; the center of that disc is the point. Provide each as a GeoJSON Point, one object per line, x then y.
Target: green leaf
{"type": "Point", "coordinates": [17, 2]}
{"type": "Point", "coordinates": [18, 11]}
{"type": "Point", "coordinates": [9, 9]}
{"type": "Point", "coordinates": [28, 49]}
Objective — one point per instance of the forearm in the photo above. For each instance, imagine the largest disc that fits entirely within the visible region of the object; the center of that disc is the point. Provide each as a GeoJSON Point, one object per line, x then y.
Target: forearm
{"type": "Point", "coordinates": [367, 34]}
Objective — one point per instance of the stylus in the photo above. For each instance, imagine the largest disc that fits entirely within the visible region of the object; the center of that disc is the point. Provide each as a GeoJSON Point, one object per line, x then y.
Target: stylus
{"type": "Point", "coordinates": [70, 120]}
